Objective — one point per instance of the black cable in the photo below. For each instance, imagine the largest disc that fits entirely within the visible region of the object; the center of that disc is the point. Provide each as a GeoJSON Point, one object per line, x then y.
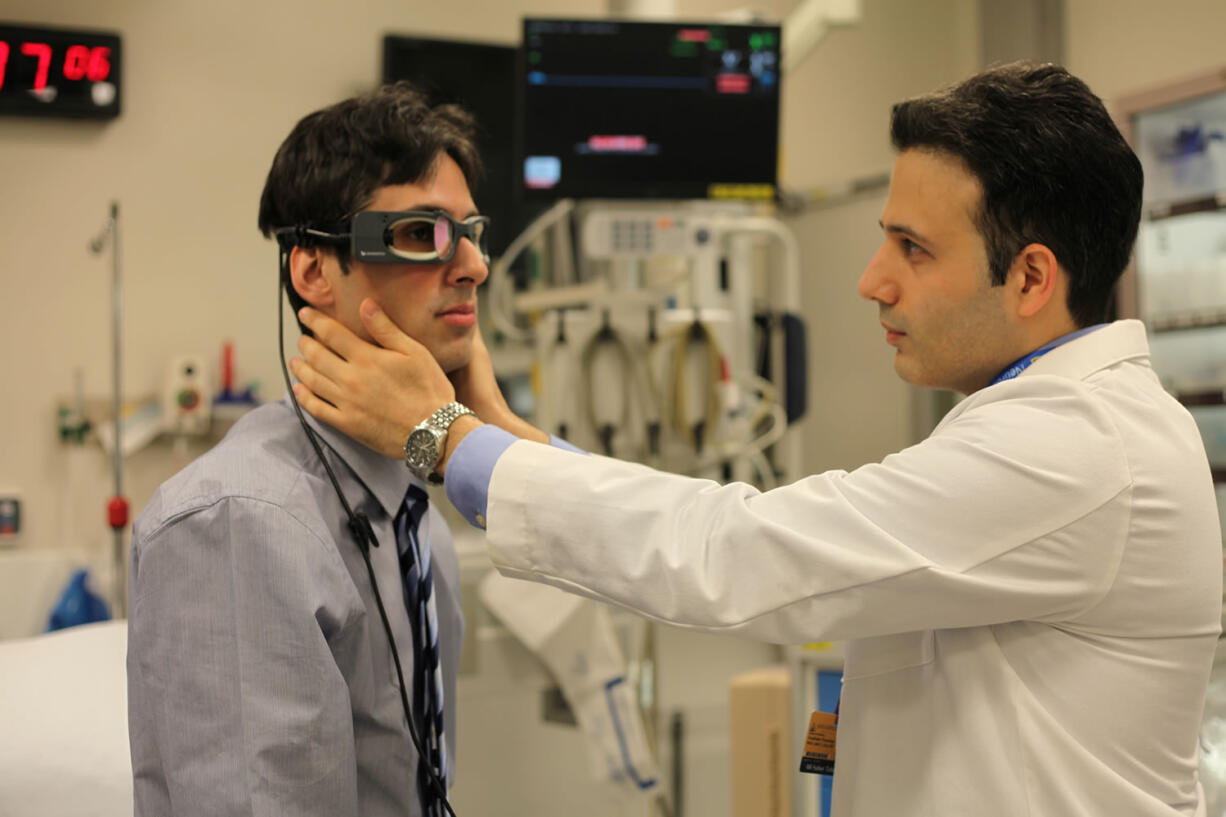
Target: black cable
{"type": "Point", "coordinates": [698, 334]}
{"type": "Point", "coordinates": [677, 729]}
{"type": "Point", "coordinates": [607, 336]}
{"type": "Point", "coordinates": [359, 526]}
{"type": "Point", "coordinates": [560, 342]}
{"type": "Point", "coordinates": [654, 425]}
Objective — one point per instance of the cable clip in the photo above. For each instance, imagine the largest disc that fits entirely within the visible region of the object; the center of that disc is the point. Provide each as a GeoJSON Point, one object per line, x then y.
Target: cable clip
{"type": "Point", "coordinates": [359, 526]}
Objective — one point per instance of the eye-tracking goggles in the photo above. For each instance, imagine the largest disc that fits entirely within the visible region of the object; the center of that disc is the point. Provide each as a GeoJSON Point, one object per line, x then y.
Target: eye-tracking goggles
{"type": "Point", "coordinates": [395, 237]}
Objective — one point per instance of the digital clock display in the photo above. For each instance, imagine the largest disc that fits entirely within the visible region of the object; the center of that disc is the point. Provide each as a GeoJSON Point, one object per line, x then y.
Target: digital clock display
{"type": "Point", "coordinates": [59, 72]}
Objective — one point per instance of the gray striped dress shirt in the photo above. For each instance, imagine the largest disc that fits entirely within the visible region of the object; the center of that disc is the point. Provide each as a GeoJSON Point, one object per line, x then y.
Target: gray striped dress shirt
{"type": "Point", "coordinates": [260, 680]}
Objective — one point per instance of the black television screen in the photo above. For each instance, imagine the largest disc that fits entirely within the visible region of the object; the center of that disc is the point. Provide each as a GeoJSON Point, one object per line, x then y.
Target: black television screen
{"type": "Point", "coordinates": [650, 109]}
{"type": "Point", "coordinates": [482, 78]}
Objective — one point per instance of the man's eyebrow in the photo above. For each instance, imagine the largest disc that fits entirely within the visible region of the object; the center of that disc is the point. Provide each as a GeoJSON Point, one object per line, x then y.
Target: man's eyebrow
{"type": "Point", "coordinates": [902, 229]}
{"type": "Point", "coordinates": [426, 205]}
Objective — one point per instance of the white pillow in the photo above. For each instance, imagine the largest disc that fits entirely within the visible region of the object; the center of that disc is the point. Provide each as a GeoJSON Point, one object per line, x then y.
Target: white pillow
{"type": "Point", "coordinates": [64, 724]}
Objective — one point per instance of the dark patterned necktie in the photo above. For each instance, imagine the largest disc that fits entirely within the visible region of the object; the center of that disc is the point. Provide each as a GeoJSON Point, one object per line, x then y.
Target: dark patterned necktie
{"type": "Point", "coordinates": [413, 545]}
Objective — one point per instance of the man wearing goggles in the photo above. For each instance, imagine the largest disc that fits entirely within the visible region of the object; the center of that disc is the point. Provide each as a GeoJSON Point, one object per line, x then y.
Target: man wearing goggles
{"type": "Point", "coordinates": [324, 665]}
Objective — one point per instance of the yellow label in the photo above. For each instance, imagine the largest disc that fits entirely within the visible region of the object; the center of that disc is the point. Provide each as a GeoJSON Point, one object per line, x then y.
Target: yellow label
{"type": "Point", "coordinates": [753, 192]}
{"type": "Point", "coordinates": [819, 744]}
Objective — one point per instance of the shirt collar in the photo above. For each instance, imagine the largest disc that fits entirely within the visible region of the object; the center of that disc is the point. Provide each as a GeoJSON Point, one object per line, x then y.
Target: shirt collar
{"type": "Point", "coordinates": [384, 478]}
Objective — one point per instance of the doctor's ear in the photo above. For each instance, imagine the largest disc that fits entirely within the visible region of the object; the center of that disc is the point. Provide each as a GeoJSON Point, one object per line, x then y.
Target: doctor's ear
{"type": "Point", "coordinates": [306, 270]}
{"type": "Point", "coordinates": [1035, 276]}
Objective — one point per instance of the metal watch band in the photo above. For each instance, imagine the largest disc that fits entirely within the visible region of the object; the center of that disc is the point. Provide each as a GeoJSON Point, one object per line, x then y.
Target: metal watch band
{"type": "Point", "coordinates": [442, 419]}
{"type": "Point", "coordinates": [435, 426]}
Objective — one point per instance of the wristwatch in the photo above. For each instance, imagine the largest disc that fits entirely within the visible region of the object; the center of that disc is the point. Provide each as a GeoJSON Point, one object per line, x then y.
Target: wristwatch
{"type": "Point", "coordinates": [424, 447]}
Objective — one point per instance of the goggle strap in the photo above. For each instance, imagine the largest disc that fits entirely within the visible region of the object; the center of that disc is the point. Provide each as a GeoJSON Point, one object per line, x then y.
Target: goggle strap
{"type": "Point", "coordinates": [300, 235]}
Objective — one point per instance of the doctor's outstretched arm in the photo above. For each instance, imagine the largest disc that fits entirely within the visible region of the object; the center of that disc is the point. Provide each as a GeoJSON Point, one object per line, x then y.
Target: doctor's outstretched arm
{"type": "Point", "coordinates": [943, 534]}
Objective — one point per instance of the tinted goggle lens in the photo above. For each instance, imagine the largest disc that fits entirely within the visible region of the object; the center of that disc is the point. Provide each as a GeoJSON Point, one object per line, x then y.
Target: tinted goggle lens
{"type": "Point", "coordinates": [428, 237]}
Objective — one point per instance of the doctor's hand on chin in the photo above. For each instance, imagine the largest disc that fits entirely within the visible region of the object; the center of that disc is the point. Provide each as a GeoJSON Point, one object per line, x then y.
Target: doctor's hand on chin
{"type": "Point", "coordinates": [377, 394]}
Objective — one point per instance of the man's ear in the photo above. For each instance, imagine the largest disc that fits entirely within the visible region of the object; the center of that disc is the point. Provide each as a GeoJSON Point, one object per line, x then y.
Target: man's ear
{"type": "Point", "coordinates": [306, 271]}
{"type": "Point", "coordinates": [1036, 278]}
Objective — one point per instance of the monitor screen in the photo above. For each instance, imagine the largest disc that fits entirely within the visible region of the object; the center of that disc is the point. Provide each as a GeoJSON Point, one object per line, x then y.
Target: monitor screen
{"type": "Point", "coordinates": [650, 109]}
{"type": "Point", "coordinates": [482, 78]}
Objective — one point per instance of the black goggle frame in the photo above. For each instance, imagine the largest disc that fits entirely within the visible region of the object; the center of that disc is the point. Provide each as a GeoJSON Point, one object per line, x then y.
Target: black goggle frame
{"type": "Point", "coordinates": [370, 237]}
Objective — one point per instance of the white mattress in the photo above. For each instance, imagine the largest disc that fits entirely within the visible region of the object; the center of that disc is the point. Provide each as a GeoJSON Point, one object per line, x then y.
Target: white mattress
{"type": "Point", "coordinates": [64, 724]}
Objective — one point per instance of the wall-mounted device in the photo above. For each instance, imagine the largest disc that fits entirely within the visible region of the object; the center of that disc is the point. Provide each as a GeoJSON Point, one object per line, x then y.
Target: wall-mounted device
{"type": "Point", "coordinates": [650, 109]}
{"type": "Point", "coordinates": [59, 72]}
{"type": "Point", "coordinates": [609, 234]}
{"type": "Point", "coordinates": [185, 399]}
{"type": "Point", "coordinates": [10, 517]}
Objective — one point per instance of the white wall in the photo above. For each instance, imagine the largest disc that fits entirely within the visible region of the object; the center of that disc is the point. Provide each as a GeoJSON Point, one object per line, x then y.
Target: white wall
{"type": "Point", "coordinates": [1122, 46]}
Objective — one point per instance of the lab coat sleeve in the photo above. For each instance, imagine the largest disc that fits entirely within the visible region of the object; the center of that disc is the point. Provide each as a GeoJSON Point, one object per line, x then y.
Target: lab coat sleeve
{"type": "Point", "coordinates": [1018, 510]}
{"type": "Point", "coordinates": [236, 704]}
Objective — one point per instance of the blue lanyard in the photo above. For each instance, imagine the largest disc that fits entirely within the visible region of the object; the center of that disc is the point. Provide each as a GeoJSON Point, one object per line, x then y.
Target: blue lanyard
{"type": "Point", "coordinates": [1024, 363]}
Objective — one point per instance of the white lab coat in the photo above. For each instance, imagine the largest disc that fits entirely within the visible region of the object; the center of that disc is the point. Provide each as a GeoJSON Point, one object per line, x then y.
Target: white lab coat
{"type": "Point", "coordinates": [1032, 595]}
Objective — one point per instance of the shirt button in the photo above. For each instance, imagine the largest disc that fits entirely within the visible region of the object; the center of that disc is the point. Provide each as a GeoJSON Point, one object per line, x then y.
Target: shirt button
{"type": "Point", "coordinates": [480, 520]}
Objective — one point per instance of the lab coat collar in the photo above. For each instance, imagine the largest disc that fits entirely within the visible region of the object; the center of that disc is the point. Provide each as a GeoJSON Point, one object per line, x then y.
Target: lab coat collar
{"type": "Point", "coordinates": [384, 478]}
{"type": "Point", "coordinates": [1076, 360]}
{"type": "Point", "coordinates": [1100, 349]}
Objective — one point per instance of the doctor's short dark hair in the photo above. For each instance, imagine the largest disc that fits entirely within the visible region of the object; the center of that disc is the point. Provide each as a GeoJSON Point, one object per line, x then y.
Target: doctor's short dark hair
{"type": "Point", "coordinates": [1053, 166]}
{"type": "Point", "coordinates": [334, 159]}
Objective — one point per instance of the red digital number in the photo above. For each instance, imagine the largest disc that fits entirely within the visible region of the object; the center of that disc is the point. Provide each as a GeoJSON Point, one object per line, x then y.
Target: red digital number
{"type": "Point", "coordinates": [43, 52]}
{"type": "Point", "coordinates": [75, 61]}
{"type": "Point", "coordinates": [99, 64]}
{"type": "Point", "coordinates": [4, 60]}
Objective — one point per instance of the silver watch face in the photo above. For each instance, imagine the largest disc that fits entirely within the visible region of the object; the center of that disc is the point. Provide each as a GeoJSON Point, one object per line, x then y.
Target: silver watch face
{"type": "Point", "coordinates": [421, 449]}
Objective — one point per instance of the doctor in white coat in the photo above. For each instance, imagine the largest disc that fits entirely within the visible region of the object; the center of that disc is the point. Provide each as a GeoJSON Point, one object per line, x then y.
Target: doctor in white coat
{"type": "Point", "coordinates": [1031, 596]}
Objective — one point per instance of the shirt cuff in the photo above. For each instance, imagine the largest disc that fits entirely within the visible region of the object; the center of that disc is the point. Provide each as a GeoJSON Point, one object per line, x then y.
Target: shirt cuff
{"type": "Point", "coordinates": [471, 468]}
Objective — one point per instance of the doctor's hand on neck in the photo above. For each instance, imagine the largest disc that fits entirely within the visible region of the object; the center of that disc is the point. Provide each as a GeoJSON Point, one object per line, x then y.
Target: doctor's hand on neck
{"type": "Point", "coordinates": [477, 388]}
{"type": "Point", "coordinates": [378, 393]}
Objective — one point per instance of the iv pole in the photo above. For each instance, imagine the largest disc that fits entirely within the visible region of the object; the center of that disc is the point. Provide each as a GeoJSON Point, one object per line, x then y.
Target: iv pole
{"type": "Point", "coordinates": [117, 506]}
